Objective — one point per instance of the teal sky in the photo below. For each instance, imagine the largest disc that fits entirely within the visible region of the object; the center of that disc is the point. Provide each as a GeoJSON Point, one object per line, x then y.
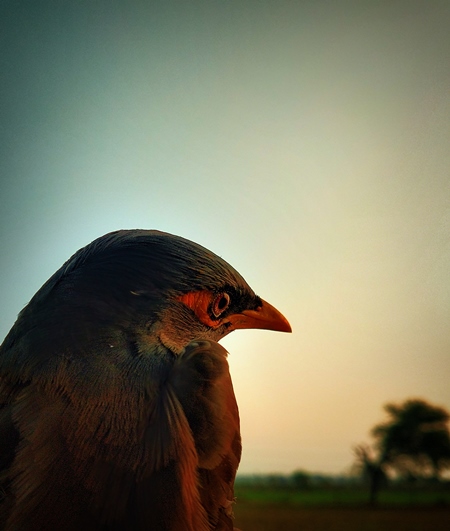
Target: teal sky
{"type": "Point", "coordinates": [306, 142]}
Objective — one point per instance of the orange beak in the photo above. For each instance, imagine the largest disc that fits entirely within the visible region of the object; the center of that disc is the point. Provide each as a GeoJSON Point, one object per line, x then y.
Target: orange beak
{"type": "Point", "coordinates": [266, 317]}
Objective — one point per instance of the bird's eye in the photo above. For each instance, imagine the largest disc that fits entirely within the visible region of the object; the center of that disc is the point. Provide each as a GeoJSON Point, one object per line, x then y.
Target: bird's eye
{"type": "Point", "coordinates": [220, 304]}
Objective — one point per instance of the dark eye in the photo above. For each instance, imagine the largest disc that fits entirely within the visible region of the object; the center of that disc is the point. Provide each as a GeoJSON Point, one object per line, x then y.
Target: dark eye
{"type": "Point", "coordinates": [220, 304]}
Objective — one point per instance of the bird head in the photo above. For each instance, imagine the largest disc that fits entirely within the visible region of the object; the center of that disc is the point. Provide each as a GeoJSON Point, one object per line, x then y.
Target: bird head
{"type": "Point", "coordinates": [153, 287]}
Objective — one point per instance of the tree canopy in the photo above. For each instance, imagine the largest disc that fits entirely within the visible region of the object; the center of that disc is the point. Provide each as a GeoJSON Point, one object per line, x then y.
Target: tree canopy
{"type": "Point", "coordinates": [415, 440]}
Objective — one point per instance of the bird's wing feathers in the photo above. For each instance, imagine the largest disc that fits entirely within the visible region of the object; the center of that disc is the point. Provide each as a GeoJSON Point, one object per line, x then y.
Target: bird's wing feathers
{"type": "Point", "coordinates": [122, 441]}
{"type": "Point", "coordinates": [202, 382]}
{"type": "Point", "coordinates": [9, 441]}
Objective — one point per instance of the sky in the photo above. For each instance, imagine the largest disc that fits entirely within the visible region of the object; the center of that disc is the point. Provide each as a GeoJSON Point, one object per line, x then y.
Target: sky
{"type": "Point", "coordinates": [305, 142]}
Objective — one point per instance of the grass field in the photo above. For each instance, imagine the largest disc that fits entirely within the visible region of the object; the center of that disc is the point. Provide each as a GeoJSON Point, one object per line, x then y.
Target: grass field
{"type": "Point", "coordinates": [263, 509]}
{"type": "Point", "coordinates": [344, 497]}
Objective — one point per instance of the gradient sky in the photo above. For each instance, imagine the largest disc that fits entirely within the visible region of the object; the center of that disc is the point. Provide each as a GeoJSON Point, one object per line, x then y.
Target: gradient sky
{"type": "Point", "coordinates": [306, 142]}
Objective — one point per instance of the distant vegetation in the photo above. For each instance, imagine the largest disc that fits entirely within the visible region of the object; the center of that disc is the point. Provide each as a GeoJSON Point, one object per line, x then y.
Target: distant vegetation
{"type": "Point", "coordinates": [404, 467]}
{"type": "Point", "coordinates": [397, 484]}
{"type": "Point", "coordinates": [303, 501]}
{"type": "Point", "coordinates": [315, 490]}
{"type": "Point", "coordinates": [413, 444]}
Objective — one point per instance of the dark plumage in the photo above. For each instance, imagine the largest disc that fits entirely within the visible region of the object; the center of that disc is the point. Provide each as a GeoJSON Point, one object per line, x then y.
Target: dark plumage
{"type": "Point", "coordinates": [117, 410]}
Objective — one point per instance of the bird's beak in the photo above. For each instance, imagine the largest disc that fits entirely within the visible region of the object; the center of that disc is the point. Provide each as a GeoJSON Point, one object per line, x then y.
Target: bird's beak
{"type": "Point", "coordinates": [265, 316]}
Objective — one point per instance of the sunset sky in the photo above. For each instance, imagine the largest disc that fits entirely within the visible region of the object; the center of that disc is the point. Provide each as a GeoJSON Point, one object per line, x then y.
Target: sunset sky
{"type": "Point", "coordinates": [305, 142]}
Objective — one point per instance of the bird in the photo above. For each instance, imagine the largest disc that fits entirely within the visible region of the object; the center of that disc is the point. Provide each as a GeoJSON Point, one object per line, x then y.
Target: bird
{"type": "Point", "coordinates": [117, 409]}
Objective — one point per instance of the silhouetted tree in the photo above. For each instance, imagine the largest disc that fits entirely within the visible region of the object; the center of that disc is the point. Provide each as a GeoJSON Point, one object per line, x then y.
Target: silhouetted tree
{"type": "Point", "coordinates": [371, 469]}
{"type": "Point", "coordinates": [415, 439]}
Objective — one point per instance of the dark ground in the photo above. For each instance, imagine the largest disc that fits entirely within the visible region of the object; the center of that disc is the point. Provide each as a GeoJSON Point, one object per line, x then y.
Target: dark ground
{"type": "Point", "coordinates": [257, 517]}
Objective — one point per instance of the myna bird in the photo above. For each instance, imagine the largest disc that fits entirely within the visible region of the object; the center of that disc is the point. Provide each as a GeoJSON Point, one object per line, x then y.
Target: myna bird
{"type": "Point", "coordinates": [117, 410]}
